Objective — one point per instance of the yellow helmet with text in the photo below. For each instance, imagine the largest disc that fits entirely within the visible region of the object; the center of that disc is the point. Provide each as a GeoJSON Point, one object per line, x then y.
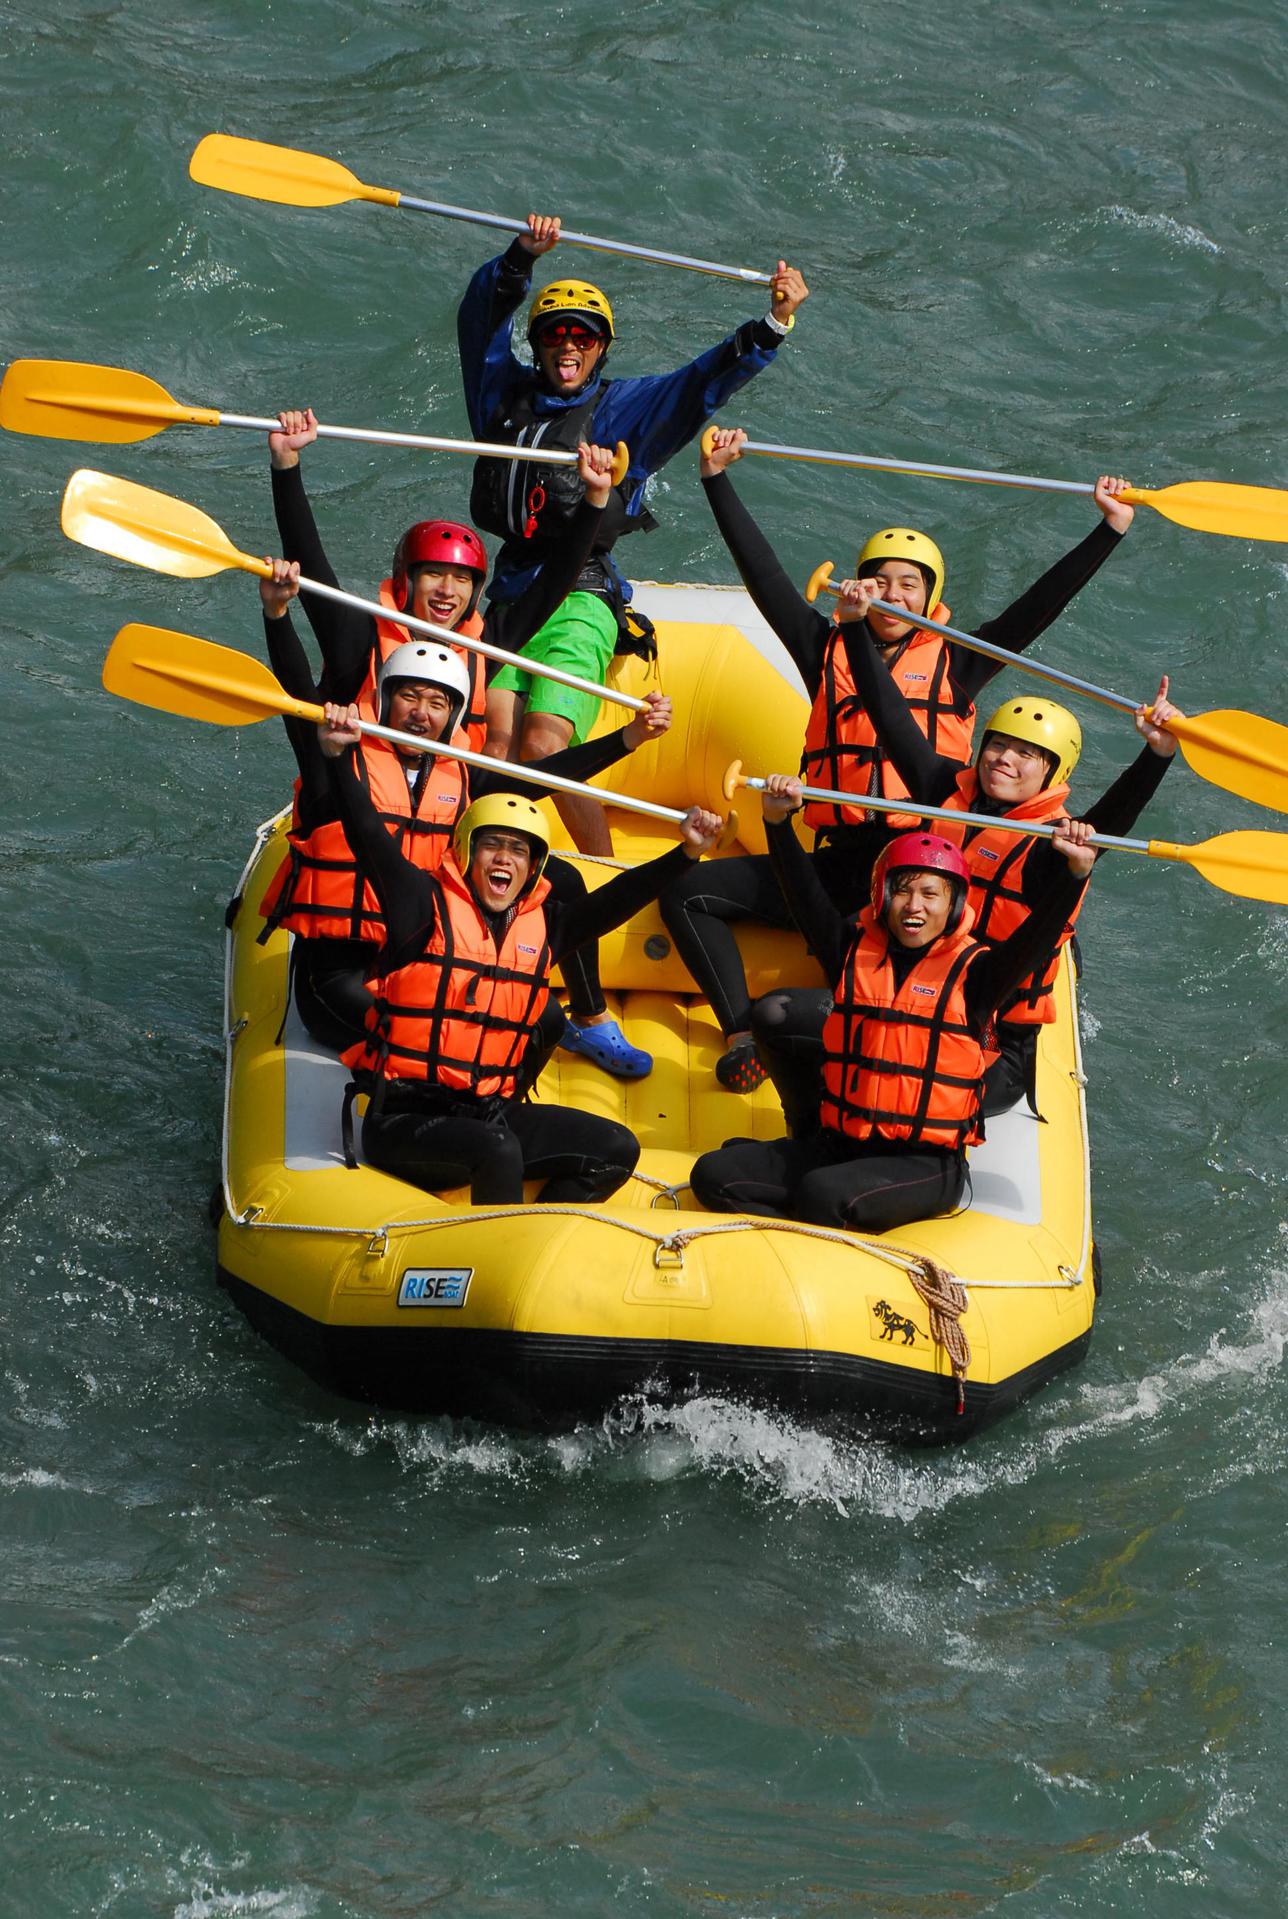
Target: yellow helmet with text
{"type": "Point", "coordinates": [905, 543]}
{"type": "Point", "coordinates": [1044, 724]}
{"type": "Point", "coordinates": [574, 299]}
{"type": "Point", "coordinates": [507, 813]}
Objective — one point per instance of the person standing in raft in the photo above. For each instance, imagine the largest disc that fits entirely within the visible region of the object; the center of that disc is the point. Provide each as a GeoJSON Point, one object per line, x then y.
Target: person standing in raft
{"type": "Point", "coordinates": [320, 895]}
{"type": "Point", "coordinates": [459, 983]}
{"type": "Point", "coordinates": [438, 573]}
{"type": "Point", "coordinates": [907, 1042]}
{"type": "Point", "coordinates": [1030, 747]}
{"type": "Point", "coordinates": [563, 397]}
{"type": "Point", "coordinates": [939, 679]}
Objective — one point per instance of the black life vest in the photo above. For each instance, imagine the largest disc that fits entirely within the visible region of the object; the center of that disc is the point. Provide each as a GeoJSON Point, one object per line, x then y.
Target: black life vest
{"type": "Point", "coordinates": [530, 506]}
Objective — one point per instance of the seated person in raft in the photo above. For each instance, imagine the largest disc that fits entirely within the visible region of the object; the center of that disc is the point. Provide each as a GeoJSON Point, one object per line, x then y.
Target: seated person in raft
{"type": "Point", "coordinates": [320, 896]}
{"type": "Point", "coordinates": [458, 984]}
{"type": "Point", "coordinates": [941, 680]}
{"type": "Point", "coordinates": [438, 574]}
{"type": "Point", "coordinates": [907, 1042]}
{"type": "Point", "coordinates": [1029, 749]}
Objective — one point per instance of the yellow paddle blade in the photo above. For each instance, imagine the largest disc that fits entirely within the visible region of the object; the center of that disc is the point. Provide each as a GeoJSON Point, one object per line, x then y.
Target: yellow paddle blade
{"type": "Point", "coordinates": [1253, 865]}
{"type": "Point", "coordinates": [148, 528]}
{"type": "Point", "coordinates": [1243, 752]}
{"type": "Point", "coordinates": [282, 174]}
{"type": "Point", "coordinates": [178, 673]}
{"type": "Point", "coordinates": [1210, 506]}
{"type": "Point", "coordinates": [75, 400]}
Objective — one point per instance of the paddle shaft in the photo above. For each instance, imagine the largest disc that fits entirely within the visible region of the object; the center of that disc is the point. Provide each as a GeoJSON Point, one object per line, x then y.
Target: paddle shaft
{"type": "Point", "coordinates": [1000, 654]}
{"type": "Point", "coordinates": [512, 769]}
{"type": "Point", "coordinates": [1035, 829]}
{"type": "Point", "coordinates": [924, 468]}
{"type": "Point", "coordinates": [449, 638]}
{"type": "Point", "coordinates": [473, 218]}
{"type": "Point", "coordinates": [175, 413]}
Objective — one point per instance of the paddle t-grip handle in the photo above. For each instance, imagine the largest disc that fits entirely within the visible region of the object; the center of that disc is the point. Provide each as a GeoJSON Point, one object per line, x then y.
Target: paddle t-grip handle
{"type": "Point", "coordinates": [733, 779]}
{"type": "Point", "coordinates": [820, 581]}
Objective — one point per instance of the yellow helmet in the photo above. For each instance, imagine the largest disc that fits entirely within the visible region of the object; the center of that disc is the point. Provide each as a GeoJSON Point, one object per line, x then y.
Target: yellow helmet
{"type": "Point", "coordinates": [903, 543]}
{"type": "Point", "coordinates": [510, 812]}
{"type": "Point", "coordinates": [1040, 723]}
{"type": "Point", "coordinates": [571, 297]}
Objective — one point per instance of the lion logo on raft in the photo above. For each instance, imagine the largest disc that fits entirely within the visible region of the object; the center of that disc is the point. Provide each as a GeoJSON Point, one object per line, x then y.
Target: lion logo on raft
{"type": "Point", "coordinates": [894, 1325]}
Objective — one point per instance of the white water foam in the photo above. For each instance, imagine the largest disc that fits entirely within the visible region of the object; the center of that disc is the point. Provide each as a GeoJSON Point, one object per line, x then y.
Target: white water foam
{"type": "Point", "coordinates": [293, 1902]}
{"type": "Point", "coordinates": [1161, 223]}
{"type": "Point", "coordinates": [779, 1459]}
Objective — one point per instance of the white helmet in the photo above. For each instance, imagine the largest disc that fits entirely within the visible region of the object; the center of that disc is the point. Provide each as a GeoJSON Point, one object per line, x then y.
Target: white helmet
{"type": "Point", "coordinates": [429, 666]}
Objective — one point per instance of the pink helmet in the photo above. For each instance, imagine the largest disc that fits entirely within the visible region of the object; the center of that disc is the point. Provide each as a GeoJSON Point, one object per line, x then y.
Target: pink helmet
{"type": "Point", "coordinates": [920, 853]}
{"type": "Point", "coordinates": [436, 543]}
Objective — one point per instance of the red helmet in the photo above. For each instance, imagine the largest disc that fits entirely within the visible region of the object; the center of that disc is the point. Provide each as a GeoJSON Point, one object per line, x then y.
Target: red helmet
{"type": "Point", "coordinates": [436, 543]}
{"type": "Point", "coordinates": [920, 853]}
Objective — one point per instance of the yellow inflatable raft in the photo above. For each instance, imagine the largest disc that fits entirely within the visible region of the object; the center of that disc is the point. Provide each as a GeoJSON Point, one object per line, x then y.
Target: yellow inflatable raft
{"type": "Point", "coordinates": [545, 1315]}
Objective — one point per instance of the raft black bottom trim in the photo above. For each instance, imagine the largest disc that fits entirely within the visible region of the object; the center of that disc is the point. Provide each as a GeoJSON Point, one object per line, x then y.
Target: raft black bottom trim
{"type": "Point", "coordinates": [551, 1381]}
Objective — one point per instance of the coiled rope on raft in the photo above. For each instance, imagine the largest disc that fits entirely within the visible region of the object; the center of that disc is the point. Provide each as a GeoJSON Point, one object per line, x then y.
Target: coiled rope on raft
{"type": "Point", "coordinates": [944, 1298]}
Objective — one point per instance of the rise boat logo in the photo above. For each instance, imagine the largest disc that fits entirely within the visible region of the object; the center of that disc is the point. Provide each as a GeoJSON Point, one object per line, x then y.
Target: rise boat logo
{"type": "Point", "coordinates": [435, 1285]}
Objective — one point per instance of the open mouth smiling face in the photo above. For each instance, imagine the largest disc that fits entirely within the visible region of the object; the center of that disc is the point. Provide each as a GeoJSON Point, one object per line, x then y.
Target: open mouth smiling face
{"type": "Point", "coordinates": [569, 353]}
{"type": "Point", "coordinates": [442, 594]}
{"type": "Point", "coordinates": [919, 907]}
{"type": "Point", "coordinates": [499, 867]}
{"type": "Point", "coordinates": [418, 709]}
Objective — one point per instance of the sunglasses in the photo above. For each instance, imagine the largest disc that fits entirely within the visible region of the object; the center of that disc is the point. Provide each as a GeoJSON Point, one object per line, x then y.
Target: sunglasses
{"type": "Point", "coordinates": [570, 330]}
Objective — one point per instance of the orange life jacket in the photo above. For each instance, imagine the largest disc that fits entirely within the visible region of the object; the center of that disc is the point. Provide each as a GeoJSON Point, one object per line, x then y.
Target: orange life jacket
{"type": "Point", "coordinates": [462, 1015]}
{"type": "Point", "coordinates": [901, 1062]}
{"type": "Point", "coordinates": [390, 635]}
{"type": "Point", "coordinates": [841, 747]}
{"type": "Point", "coordinates": [319, 892]}
{"type": "Point", "coordinates": [996, 860]}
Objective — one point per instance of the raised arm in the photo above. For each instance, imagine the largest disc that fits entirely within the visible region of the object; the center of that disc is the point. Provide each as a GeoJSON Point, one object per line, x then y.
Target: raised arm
{"type": "Point", "coordinates": [1029, 616]}
{"type": "Point", "coordinates": [825, 931]}
{"type": "Point", "coordinates": [998, 971]}
{"type": "Point", "coordinates": [560, 574]}
{"type": "Point", "coordinates": [928, 775]}
{"type": "Point", "coordinates": [800, 627]}
{"type": "Point", "coordinates": [345, 636]}
{"type": "Point", "coordinates": [484, 329]}
{"type": "Point", "coordinates": [608, 906]}
{"type": "Point", "coordinates": [407, 896]}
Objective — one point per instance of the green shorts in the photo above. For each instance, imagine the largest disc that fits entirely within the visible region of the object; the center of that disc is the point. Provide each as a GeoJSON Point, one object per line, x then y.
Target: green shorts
{"type": "Point", "coordinates": [579, 637]}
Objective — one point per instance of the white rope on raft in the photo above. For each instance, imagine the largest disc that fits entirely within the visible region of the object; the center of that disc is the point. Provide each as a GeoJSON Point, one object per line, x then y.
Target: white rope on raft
{"type": "Point", "coordinates": [662, 1242]}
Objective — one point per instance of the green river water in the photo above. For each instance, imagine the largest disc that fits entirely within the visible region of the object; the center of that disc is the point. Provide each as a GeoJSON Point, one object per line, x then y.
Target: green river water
{"type": "Point", "coordinates": [263, 1652]}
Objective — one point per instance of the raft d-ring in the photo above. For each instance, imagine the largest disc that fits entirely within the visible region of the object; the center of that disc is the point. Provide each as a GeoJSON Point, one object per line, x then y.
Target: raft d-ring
{"type": "Point", "coordinates": [249, 1215]}
{"type": "Point", "coordinates": [1079, 1079]}
{"type": "Point", "coordinates": [378, 1244]}
{"type": "Point", "coordinates": [668, 1256]}
{"type": "Point", "coordinates": [240, 1027]}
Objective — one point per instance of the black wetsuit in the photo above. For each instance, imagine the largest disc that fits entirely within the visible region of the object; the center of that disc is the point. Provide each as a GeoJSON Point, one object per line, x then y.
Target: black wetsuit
{"type": "Point", "coordinates": [788, 1024]}
{"type": "Point", "coordinates": [437, 1137]}
{"type": "Point", "coordinates": [828, 1178]}
{"type": "Point", "coordinates": [700, 910]}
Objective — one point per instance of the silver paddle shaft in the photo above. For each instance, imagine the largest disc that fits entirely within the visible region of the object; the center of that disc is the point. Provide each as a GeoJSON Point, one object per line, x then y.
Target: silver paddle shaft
{"type": "Point", "coordinates": [529, 773]}
{"type": "Point", "coordinates": [480, 448]}
{"type": "Point", "coordinates": [1000, 654]}
{"type": "Point", "coordinates": [489, 652]}
{"type": "Point", "coordinates": [748, 274]}
{"type": "Point", "coordinates": [870, 462]}
{"type": "Point", "coordinates": [1035, 830]}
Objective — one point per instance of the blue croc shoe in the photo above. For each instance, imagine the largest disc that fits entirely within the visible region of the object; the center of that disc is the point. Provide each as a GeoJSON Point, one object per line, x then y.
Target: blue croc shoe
{"type": "Point", "coordinates": [607, 1046]}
